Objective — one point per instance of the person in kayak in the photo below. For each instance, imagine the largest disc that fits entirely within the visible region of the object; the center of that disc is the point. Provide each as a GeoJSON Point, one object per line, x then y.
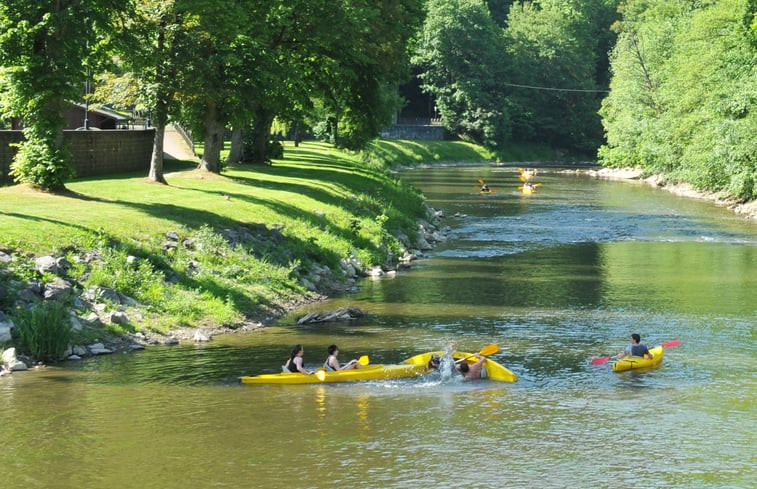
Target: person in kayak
{"type": "Point", "coordinates": [332, 363]}
{"type": "Point", "coordinates": [636, 348]}
{"type": "Point", "coordinates": [474, 370]}
{"type": "Point", "coordinates": [294, 364]}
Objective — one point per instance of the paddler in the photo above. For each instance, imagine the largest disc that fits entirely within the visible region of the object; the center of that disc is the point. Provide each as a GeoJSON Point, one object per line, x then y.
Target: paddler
{"type": "Point", "coordinates": [294, 364]}
{"type": "Point", "coordinates": [332, 363]}
{"type": "Point", "coordinates": [474, 370]}
{"type": "Point", "coordinates": [636, 348]}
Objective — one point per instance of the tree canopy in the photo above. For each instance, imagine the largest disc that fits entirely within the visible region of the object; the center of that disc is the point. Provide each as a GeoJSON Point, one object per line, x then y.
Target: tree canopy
{"type": "Point", "coordinates": [666, 84]}
{"type": "Point", "coordinates": [683, 93]}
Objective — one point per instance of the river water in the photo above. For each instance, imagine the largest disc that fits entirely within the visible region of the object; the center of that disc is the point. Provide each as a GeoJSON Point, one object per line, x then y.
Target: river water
{"type": "Point", "coordinates": [555, 279]}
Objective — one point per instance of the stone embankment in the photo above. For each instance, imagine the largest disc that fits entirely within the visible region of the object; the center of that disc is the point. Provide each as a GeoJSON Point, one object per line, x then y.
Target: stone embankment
{"type": "Point", "coordinates": [96, 307]}
{"type": "Point", "coordinates": [745, 209]}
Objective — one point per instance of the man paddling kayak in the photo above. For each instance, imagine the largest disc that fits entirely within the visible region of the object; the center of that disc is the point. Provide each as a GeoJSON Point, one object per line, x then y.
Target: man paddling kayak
{"type": "Point", "coordinates": [636, 348]}
{"type": "Point", "coordinates": [474, 370]}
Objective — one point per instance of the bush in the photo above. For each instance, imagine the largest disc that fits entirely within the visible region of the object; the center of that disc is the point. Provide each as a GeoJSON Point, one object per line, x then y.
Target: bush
{"type": "Point", "coordinates": [44, 331]}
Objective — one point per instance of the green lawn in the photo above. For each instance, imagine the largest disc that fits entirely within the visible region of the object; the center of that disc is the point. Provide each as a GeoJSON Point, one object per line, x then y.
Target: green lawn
{"type": "Point", "coordinates": [315, 207]}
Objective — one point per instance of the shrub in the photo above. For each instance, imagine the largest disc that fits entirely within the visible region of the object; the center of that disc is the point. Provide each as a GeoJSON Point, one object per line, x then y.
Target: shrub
{"type": "Point", "coordinates": [44, 331]}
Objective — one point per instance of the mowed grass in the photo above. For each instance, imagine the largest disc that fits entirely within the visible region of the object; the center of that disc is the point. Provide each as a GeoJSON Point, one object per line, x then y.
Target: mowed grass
{"type": "Point", "coordinates": [311, 181]}
{"type": "Point", "coordinates": [315, 207]}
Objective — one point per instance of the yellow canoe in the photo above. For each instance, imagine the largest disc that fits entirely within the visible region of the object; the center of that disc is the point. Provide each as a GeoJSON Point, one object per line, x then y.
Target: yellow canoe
{"type": "Point", "coordinates": [494, 370]}
{"type": "Point", "coordinates": [632, 363]}
{"type": "Point", "coordinates": [370, 372]}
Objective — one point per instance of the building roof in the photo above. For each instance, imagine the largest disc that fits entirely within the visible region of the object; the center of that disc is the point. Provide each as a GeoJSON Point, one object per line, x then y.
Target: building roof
{"type": "Point", "coordinates": [102, 111]}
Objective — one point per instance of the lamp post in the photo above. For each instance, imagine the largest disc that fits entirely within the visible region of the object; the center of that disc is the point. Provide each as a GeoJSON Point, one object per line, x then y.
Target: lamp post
{"type": "Point", "coordinates": [86, 101]}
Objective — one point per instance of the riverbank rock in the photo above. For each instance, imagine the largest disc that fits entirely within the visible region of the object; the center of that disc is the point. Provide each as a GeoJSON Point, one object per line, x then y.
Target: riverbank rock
{"type": "Point", "coordinates": [11, 362]}
{"type": "Point", "coordinates": [745, 209]}
{"type": "Point", "coordinates": [201, 336]}
{"type": "Point", "coordinates": [344, 314]}
{"type": "Point", "coordinates": [5, 330]}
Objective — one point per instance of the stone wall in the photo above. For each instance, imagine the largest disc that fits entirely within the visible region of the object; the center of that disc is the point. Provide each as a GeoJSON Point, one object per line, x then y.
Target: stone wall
{"type": "Point", "coordinates": [94, 152]}
{"type": "Point", "coordinates": [414, 132]}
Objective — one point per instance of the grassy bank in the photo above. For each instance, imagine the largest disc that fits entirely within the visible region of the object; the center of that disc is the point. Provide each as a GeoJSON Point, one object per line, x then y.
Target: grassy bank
{"type": "Point", "coordinates": [207, 249]}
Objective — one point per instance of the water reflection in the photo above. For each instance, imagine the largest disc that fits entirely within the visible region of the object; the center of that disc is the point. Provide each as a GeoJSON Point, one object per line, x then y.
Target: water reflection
{"type": "Point", "coordinates": [555, 279]}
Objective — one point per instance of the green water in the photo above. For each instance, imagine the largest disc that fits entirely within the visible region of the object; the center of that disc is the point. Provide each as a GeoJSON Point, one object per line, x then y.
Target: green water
{"type": "Point", "coordinates": [554, 278]}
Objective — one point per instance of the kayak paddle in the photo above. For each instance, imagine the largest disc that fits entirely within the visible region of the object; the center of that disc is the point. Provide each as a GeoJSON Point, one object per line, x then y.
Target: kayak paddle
{"type": "Point", "coordinates": [485, 352]}
{"type": "Point", "coordinates": [603, 360]}
{"type": "Point", "coordinates": [321, 373]}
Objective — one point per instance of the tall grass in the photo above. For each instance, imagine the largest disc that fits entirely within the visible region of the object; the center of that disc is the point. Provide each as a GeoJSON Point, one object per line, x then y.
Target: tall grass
{"type": "Point", "coordinates": [44, 331]}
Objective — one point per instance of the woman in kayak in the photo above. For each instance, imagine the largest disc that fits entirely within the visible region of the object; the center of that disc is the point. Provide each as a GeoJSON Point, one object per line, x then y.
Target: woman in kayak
{"type": "Point", "coordinates": [332, 363]}
{"type": "Point", "coordinates": [294, 364]}
{"type": "Point", "coordinates": [636, 348]}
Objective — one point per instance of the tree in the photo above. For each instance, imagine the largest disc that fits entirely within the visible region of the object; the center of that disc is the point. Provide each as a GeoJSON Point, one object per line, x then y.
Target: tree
{"type": "Point", "coordinates": [215, 69]}
{"type": "Point", "coordinates": [154, 62]}
{"type": "Point", "coordinates": [462, 54]}
{"type": "Point", "coordinates": [554, 46]}
{"type": "Point", "coordinates": [46, 50]}
{"type": "Point", "coordinates": [684, 93]}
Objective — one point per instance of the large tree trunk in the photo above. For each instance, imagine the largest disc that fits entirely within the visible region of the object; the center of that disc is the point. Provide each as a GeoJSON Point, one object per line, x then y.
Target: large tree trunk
{"type": "Point", "coordinates": [237, 147]}
{"type": "Point", "coordinates": [214, 128]}
{"type": "Point", "coordinates": [156, 162]}
{"type": "Point", "coordinates": [297, 135]}
{"type": "Point", "coordinates": [261, 131]}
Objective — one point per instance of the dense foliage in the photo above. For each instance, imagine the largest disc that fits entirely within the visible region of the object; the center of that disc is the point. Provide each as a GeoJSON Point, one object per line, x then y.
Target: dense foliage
{"type": "Point", "coordinates": [665, 84]}
{"type": "Point", "coordinates": [684, 93]}
{"type": "Point", "coordinates": [530, 71]}
{"type": "Point", "coordinates": [45, 52]}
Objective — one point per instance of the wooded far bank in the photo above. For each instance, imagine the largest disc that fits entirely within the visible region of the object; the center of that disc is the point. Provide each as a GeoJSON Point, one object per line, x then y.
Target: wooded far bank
{"type": "Point", "coordinates": [668, 85]}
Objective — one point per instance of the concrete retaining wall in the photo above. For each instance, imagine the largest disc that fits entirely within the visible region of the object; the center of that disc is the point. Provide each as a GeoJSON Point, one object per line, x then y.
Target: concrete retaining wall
{"type": "Point", "coordinates": [414, 132]}
{"type": "Point", "coordinates": [94, 152]}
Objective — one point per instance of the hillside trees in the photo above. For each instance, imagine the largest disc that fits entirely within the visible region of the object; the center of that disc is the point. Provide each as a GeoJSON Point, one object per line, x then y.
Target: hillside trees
{"type": "Point", "coordinates": [684, 93]}
{"type": "Point", "coordinates": [461, 53]}
{"type": "Point", "coordinates": [333, 62]}
{"type": "Point", "coordinates": [530, 71]}
{"type": "Point", "coordinates": [214, 70]}
{"type": "Point", "coordinates": [554, 48]}
{"type": "Point", "coordinates": [46, 50]}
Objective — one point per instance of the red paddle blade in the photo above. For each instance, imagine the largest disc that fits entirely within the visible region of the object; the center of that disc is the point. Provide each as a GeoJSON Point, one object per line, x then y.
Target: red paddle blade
{"type": "Point", "coordinates": [600, 360]}
{"type": "Point", "coordinates": [671, 343]}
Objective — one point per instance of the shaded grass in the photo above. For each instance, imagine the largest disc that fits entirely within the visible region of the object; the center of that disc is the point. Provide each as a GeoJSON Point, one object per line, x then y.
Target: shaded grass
{"type": "Point", "coordinates": [316, 206]}
{"type": "Point", "coordinates": [325, 204]}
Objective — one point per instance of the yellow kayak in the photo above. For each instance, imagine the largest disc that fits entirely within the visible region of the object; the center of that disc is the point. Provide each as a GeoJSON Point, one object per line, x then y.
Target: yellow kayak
{"type": "Point", "coordinates": [494, 371]}
{"type": "Point", "coordinates": [370, 372]}
{"type": "Point", "coordinates": [632, 363]}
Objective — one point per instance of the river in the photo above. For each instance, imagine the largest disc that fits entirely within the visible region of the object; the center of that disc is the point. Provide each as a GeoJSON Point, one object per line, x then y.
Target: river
{"type": "Point", "coordinates": [555, 279]}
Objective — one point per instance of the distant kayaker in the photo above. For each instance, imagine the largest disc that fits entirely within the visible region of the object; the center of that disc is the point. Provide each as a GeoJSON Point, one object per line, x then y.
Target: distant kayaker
{"type": "Point", "coordinates": [484, 187]}
{"type": "Point", "coordinates": [474, 370]}
{"type": "Point", "coordinates": [294, 364]}
{"type": "Point", "coordinates": [636, 348]}
{"type": "Point", "coordinates": [332, 363]}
